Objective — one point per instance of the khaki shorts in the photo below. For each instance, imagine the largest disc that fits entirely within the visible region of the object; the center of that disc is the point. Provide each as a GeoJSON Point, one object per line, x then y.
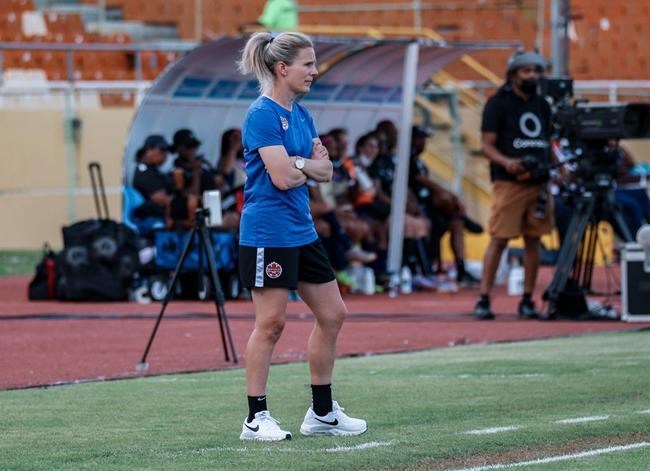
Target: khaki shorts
{"type": "Point", "coordinates": [513, 211]}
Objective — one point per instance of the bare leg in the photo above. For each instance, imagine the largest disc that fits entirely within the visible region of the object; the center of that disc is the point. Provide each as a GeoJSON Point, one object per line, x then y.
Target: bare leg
{"type": "Point", "coordinates": [270, 310]}
{"type": "Point", "coordinates": [325, 302]}
{"type": "Point", "coordinates": [491, 263]}
{"type": "Point", "coordinates": [531, 263]}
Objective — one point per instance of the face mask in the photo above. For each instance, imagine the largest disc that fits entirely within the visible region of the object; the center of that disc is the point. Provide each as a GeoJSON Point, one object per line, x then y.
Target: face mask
{"type": "Point", "coordinates": [529, 86]}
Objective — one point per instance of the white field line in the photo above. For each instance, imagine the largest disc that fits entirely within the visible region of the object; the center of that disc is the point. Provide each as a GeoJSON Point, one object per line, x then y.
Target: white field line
{"type": "Point", "coordinates": [487, 376]}
{"type": "Point", "coordinates": [361, 446]}
{"type": "Point", "coordinates": [244, 449]}
{"type": "Point", "coordinates": [487, 431]}
{"type": "Point", "coordinates": [647, 411]}
{"type": "Point", "coordinates": [580, 420]}
{"type": "Point", "coordinates": [505, 376]}
{"type": "Point", "coordinates": [553, 459]}
{"type": "Point", "coordinates": [281, 449]}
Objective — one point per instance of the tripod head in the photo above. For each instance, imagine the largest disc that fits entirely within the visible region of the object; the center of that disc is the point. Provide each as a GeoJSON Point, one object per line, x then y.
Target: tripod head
{"type": "Point", "coordinates": [211, 210]}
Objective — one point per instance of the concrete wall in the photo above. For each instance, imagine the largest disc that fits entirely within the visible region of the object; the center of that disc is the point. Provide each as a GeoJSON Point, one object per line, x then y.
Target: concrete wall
{"type": "Point", "coordinates": [33, 179]}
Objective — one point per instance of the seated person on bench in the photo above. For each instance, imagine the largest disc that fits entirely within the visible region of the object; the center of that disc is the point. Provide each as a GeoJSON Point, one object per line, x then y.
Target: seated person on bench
{"type": "Point", "coordinates": [161, 199]}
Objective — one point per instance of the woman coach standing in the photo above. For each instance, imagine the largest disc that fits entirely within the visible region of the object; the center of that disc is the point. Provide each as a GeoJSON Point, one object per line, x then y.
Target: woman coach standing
{"type": "Point", "coordinates": [279, 247]}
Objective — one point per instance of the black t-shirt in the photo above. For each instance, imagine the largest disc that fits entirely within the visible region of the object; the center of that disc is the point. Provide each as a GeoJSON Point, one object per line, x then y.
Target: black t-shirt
{"type": "Point", "coordinates": [523, 127]}
{"type": "Point", "coordinates": [417, 168]}
{"type": "Point", "coordinates": [207, 174]}
{"type": "Point", "coordinates": [149, 180]}
{"type": "Point", "coordinates": [383, 170]}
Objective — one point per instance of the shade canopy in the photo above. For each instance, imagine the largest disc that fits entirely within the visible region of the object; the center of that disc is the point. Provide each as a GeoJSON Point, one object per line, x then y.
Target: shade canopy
{"type": "Point", "coordinates": [360, 84]}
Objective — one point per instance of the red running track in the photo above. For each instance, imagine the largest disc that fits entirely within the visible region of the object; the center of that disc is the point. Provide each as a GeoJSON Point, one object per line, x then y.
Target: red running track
{"type": "Point", "coordinates": [43, 343]}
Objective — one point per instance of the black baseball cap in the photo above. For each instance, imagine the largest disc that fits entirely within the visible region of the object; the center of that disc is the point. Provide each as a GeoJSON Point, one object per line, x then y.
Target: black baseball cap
{"type": "Point", "coordinates": [420, 131]}
{"type": "Point", "coordinates": [184, 137]}
{"type": "Point", "coordinates": [156, 141]}
{"type": "Point", "coordinates": [152, 141]}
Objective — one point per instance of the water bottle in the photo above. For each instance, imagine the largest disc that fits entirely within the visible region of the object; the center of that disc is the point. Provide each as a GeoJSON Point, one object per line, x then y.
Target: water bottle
{"type": "Point", "coordinates": [516, 279]}
{"type": "Point", "coordinates": [368, 286]}
{"type": "Point", "coordinates": [406, 281]}
{"type": "Point", "coordinates": [357, 274]}
{"type": "Point", "coordinates": [393, 285]}
{"type": "Point", "coordinates": [365, 182]}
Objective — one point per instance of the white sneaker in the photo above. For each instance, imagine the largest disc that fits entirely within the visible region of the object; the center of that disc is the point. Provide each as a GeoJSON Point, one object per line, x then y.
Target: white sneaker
{"type": "Point", "coordinates": [335, 423]}
{"type": "Point", "coordinates": [263, 428]}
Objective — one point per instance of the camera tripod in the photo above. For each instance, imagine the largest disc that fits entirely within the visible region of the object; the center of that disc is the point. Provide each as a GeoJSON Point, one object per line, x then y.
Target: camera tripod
{"type": "Point", "coordinates": [575, 262]}
{"type": "Point", "coordinates": [205, 248]}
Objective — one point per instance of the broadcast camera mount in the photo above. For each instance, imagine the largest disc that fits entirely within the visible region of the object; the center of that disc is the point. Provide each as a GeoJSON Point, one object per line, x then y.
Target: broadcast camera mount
{"type": "Point", "coordinates": [588, 128]}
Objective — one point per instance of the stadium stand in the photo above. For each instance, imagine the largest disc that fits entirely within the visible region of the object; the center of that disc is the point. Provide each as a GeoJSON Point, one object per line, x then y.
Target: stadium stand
{"type": "Point", "coordinates": [21, 21]}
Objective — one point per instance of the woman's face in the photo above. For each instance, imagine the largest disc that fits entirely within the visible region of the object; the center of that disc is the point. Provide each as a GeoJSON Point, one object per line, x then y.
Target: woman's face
{"type": "Point", "coordinates": [370, 148]}
{"type": "Point", "coordinates": [300, 75]}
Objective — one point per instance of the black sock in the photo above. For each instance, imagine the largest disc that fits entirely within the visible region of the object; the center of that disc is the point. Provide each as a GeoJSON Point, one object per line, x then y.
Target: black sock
{"type": "Point", "coordinates": [321, 399]}
{"type": "Point", "coordinates": [527, 298]}
{"type": "Point", "coordinates": [460, 267]}
{"type": "Point", "coordinates": [255, 404]}
{"type": "Point", "coordinates": [485, 299]}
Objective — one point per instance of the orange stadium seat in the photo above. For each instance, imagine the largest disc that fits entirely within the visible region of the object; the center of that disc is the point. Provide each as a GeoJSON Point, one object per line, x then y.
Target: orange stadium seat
{"type": "Point", "coordinates": [17, 6]}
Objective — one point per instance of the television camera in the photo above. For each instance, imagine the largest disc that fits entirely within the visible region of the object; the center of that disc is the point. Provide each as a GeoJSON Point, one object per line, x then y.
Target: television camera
{"type": "Point", "coordinates": [588, 134]}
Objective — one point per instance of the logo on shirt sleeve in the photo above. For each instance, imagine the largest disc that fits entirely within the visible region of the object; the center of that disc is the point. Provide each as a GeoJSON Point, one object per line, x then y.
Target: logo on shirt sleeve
{"type": "Point", "coordinates": [274, 270]}
{"type": "Point", "coordinates": [284, 123]}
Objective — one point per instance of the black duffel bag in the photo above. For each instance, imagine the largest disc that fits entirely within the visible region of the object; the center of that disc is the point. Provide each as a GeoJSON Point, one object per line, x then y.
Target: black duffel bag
{"type": "Point", "coordinates": [99, 261]}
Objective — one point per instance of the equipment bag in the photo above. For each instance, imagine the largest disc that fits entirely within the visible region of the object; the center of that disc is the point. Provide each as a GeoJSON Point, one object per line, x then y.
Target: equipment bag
{"type": "Point", "coordinates": [169, 248]}
{"type": "Point", "coordinates": [99, 261]}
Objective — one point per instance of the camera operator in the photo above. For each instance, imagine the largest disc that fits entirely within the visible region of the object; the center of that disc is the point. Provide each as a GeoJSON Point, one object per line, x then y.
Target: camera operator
{"type": "Point", "coordinates": [515, 139]}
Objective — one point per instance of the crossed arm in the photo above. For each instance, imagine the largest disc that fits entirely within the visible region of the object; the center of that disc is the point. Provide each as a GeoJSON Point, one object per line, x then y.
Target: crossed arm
{"type": "Point", "coordinates": [285, 175]}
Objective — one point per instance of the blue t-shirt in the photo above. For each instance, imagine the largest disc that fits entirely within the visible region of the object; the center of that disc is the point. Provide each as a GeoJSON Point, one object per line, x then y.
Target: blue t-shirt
{"type": "Point", "coordinates": [273, 217]}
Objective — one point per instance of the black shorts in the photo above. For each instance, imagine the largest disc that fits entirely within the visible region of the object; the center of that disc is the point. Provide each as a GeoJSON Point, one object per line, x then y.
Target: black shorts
{"type": "Point", "coordinates": [268, 267]}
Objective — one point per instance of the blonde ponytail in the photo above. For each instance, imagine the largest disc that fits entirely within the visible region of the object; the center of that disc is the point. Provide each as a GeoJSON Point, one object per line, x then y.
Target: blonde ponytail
{"type": "Point", "coordinates": [263, 51]}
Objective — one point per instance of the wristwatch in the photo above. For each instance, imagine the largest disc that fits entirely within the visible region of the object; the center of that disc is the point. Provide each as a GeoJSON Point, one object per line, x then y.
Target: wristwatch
{"type": "Point", "coordinates": [299, 163]}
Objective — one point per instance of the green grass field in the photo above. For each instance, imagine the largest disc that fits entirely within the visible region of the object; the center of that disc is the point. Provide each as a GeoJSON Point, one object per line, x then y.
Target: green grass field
{"type": "Point", "coordinates": [426, 410]}
{"type": "Point", "coordinates": [21, 262]}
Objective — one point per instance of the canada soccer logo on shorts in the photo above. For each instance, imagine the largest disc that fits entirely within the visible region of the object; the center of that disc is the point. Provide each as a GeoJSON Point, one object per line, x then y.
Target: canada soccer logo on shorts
{"type": "Point", "coordinates": [284, 123]}
{"type": "Point", "coordinates": [274, 270]}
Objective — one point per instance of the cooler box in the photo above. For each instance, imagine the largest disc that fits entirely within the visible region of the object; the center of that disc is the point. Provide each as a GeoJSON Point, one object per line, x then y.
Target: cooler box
{"type": "Point", "coordinates": [635, 285]}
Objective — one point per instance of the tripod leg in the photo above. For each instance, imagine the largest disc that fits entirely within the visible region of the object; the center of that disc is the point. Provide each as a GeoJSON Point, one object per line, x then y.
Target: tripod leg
{"type": "Point", "coordinates": [170, 290]}
{"type": "Point", "coordinates": [588, 258]}
{"type": "Point", "coordinates": [219, 299]}
{"type": "Point", "coordinates": [568, 251]}
{"type": "Point", "coordinates": [619, 220]}
{"type": "Point", "coordinates": [206, 250]}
